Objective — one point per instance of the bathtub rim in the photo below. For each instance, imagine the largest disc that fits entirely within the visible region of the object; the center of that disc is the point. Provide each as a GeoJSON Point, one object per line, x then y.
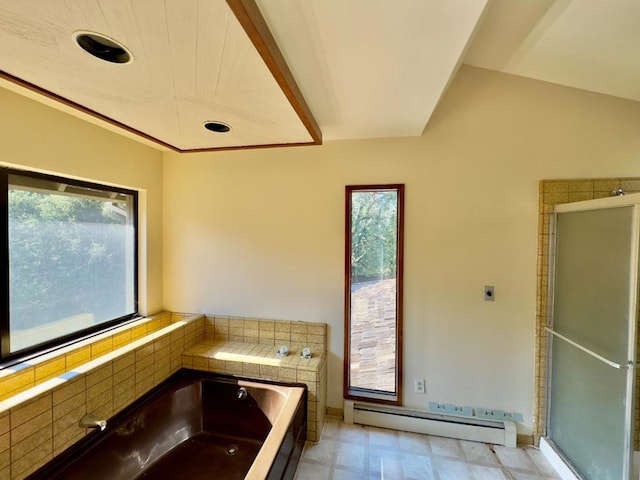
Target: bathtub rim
{"type": "Point", "coordinates": [265, 458]}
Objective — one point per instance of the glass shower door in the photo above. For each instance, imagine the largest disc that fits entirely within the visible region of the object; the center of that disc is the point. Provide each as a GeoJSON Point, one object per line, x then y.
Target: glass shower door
{"type": "Point", "coordinates": [592, 338]}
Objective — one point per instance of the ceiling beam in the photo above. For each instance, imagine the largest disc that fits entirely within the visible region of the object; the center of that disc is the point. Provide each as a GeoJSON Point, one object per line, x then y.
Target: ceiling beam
{"type": "Point", "coordinates": [248, 14]}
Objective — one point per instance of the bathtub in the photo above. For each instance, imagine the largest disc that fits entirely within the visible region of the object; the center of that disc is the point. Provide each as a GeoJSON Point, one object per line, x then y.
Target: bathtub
{"type": "Point", "coordinates": [195, 425]}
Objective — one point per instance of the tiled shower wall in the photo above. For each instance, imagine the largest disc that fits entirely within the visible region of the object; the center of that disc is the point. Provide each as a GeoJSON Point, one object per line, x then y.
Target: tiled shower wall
{"type": "Point", "coordinates": [551, 193]}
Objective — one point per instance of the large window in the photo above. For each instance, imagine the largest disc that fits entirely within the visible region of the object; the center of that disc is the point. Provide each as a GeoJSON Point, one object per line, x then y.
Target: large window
{"type": "Point", "coordinates": [373, 292]}
{"type": "Point", "coordinates": [69, 259]}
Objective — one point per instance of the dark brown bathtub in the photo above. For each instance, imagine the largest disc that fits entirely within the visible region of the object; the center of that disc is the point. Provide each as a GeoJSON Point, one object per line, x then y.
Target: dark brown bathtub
{"type": "Point", "coordinates": [195, 425]}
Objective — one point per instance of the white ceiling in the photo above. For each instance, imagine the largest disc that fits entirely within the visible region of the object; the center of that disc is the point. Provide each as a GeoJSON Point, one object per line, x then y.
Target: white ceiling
{"type": "Point", "coordinates": [366, 68]}
{"type": "Point", "coordinates": [593, 45]}
{"type": "Point", "coordinates": [372, 68]}
{"type": "Point", "coordinates": [192, 62]}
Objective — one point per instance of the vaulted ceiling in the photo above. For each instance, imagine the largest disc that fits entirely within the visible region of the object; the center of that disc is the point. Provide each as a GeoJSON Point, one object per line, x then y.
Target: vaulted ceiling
{"type": "Point", "coordinates": [296, 71]}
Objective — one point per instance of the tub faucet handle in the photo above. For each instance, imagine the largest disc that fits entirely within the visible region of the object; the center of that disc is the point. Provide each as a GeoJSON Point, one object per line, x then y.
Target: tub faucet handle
{"type": "Point", "coordinates": [91, 420]}
{"type": "Point", "coordinates": [306, 352]}
{"type": "Point", "coordinates": [283, 351]}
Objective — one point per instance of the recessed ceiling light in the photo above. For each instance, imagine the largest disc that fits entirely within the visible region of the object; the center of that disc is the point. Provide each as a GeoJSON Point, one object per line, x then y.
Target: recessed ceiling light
{"type": "Point", "coordinates": [103, 47]}
{"type": "Point", "coordinates": [217, 127]}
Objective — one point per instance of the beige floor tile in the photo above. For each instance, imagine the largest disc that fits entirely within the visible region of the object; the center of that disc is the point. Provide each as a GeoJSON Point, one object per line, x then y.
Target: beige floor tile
{"type": "Point", "coordinates": [383, 437]}
{"type": "Point", "coordinates": [524, 475]}
{"type": "Point", "coordinates": [482, 472]}
{"type": "Point", "coordinates": [321, 452]}
{"type": "Point", "coordinates": [350, 455]}
{"type": "Point", "coordinates": [449, 469]}
{"type": "Point", "coordinates": [311, 471]}
{"type": "Point", "coordinates": [414, 443]}
{"type": "Point", "coordinates": [386, 462]}
{"type": "Point", "coordinates": [358, 452]}
{"type": "Point", "coordinates": [354, 434]}
{"type": "Point", "coordinates": [514, 458]}
{"type": "Point", "coordinates": [476, 452]}
{"type": "Point", "coordinates": [417, 467]}
{"type": "Point", "coordinates": [541, 463]}
{"type": "Point", "coordinates": [331, 428]}
{"type": "Point", "coordinates": [446, 447]}
{"type": "Point", "coordinates": [341, 473]}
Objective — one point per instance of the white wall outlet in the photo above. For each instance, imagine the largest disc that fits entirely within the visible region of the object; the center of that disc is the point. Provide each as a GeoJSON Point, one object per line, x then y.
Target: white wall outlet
{"type": "Point", "coordinates": [420, 385]}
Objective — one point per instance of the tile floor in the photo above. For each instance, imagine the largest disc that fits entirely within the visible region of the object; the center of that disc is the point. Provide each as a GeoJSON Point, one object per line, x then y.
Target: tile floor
{"type": "Point", "coordinates": [347, 452]}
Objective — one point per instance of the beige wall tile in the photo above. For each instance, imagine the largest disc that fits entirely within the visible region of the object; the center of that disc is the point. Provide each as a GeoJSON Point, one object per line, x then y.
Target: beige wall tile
{"type": "Point", "coordinates": [5, 473]}
{"type": "Point", "coordinates": [233, 368]}
{"type": "Point", "coordinates": [30, 427]}
{"type": "Point", "coordinates": [317, 329]}
{"type": "Point", "coordinates": [125, 362]}
{"type": "Point", "coordinates": [17, 382]}
{"type": "Point", "coordinates": [299, 327]}
{"type": "Point", "coordinates": [65, 438]}
{"type": "Point", "coordinates": [605, 184]}
{"type": "Point", "coordinates": [78, 357]}
{"type": "Point", "coordinates": [282, 338]}
{"type": "Point", "coordinates": [39, 439]}
{"type": "Point", "coordinates": [124, 392]}
{"type": "Point", "coordinates": [5, 425]}
{"type": "Point", "coordinates": [215, 365]}
{"type": "Point", "coordinates": [27, 464]}
{"type": "Point", "coordinates": [138, 332]}
{"type": "Point", "coordinates": [99, 375]}
{"type": "Point", "coordinates": [251, 369]}
{"type": "Point", "coordinates": [297, 337]}
{"type": "Point", "coordinates": [68, 389]}
{"type": "Point", "coordinates": [75, 405]}
{"type": "Point", "coordinates": [306, 376]}
{"type": "Point", "coordinates": [50, 369]}
{"type": "Point", "coordinates": [5, 442]}
{"type": "Point", "coordinates": [287, 374]}
{"type": "Point", "coordinates": [554, 186]}
{"type": "Point", "coordinates": [101, 347]}
{"type": "Point", "coordinates": [31, 409]}
{"type": "Point", "coordinates": [250, 324]}
{"type": "Point", "coordinates": [581, 186]}
{"type": "Point", "coordinates": [121, 339]}
{"type": "Point", "coordinates": [282, 326]}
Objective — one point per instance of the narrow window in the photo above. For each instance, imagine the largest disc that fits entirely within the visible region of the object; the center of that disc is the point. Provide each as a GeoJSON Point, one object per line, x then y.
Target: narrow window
{"type": "Point", "coordinates": [373, 293]}
{"type": "Point", "coordinates": [69, 260]}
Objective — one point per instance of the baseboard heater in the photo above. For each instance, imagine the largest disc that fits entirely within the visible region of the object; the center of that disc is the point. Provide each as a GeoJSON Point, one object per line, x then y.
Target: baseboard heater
{"type": "Point", "coordinates": [498, 432]}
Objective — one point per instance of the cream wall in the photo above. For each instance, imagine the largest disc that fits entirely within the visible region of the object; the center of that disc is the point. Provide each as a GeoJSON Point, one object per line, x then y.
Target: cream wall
{"type": "Point", "coordinates": [34, 136]}
{"type": "Point", "coordinates": [260, 232]}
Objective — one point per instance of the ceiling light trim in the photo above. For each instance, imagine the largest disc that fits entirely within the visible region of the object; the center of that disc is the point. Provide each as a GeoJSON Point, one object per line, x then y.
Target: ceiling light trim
{"type": "Point", "coordinates": [93, 38]}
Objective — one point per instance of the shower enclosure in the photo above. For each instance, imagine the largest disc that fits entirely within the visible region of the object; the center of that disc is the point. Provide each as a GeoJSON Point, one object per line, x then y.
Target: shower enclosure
{"type": "Point", "coordinates": [592, 335]}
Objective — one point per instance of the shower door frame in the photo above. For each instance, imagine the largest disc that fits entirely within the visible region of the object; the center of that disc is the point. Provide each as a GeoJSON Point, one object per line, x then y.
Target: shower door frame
{"type": "Point", "coordinates": [631, 200]}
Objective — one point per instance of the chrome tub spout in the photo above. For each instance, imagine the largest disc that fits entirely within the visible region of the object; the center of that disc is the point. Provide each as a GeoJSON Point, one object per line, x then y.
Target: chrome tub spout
{"type": "Point", "coordinates": [92, 421]}
{"type": "Point", "coordinates": [242, 393]}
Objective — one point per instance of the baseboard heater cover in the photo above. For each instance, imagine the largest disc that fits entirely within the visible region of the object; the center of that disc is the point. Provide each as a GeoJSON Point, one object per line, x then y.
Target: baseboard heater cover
{"type": "Point", "coordinates": [498, 432]}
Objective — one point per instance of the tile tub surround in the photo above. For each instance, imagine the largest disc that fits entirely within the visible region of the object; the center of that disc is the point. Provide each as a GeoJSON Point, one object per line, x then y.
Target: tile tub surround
{"type": "Point", "coordinates": [551, 193]}
{"type": "Point", "coordinates": [27, 374]}
{"type": "Point", "coordinates": [247, 347]}
{"type": "Point", "coordinates": [364, 453]}
{"type": "Point", "coordinates": [40, 422]}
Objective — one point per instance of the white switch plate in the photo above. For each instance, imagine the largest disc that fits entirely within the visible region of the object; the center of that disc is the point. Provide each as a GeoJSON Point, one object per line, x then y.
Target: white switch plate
{"type": "Point", "coordinates": [420, 385]}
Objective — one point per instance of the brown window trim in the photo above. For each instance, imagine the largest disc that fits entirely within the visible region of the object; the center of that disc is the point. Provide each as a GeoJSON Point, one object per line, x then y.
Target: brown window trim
{"type": "Point", "coordinates": [356, 393]}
